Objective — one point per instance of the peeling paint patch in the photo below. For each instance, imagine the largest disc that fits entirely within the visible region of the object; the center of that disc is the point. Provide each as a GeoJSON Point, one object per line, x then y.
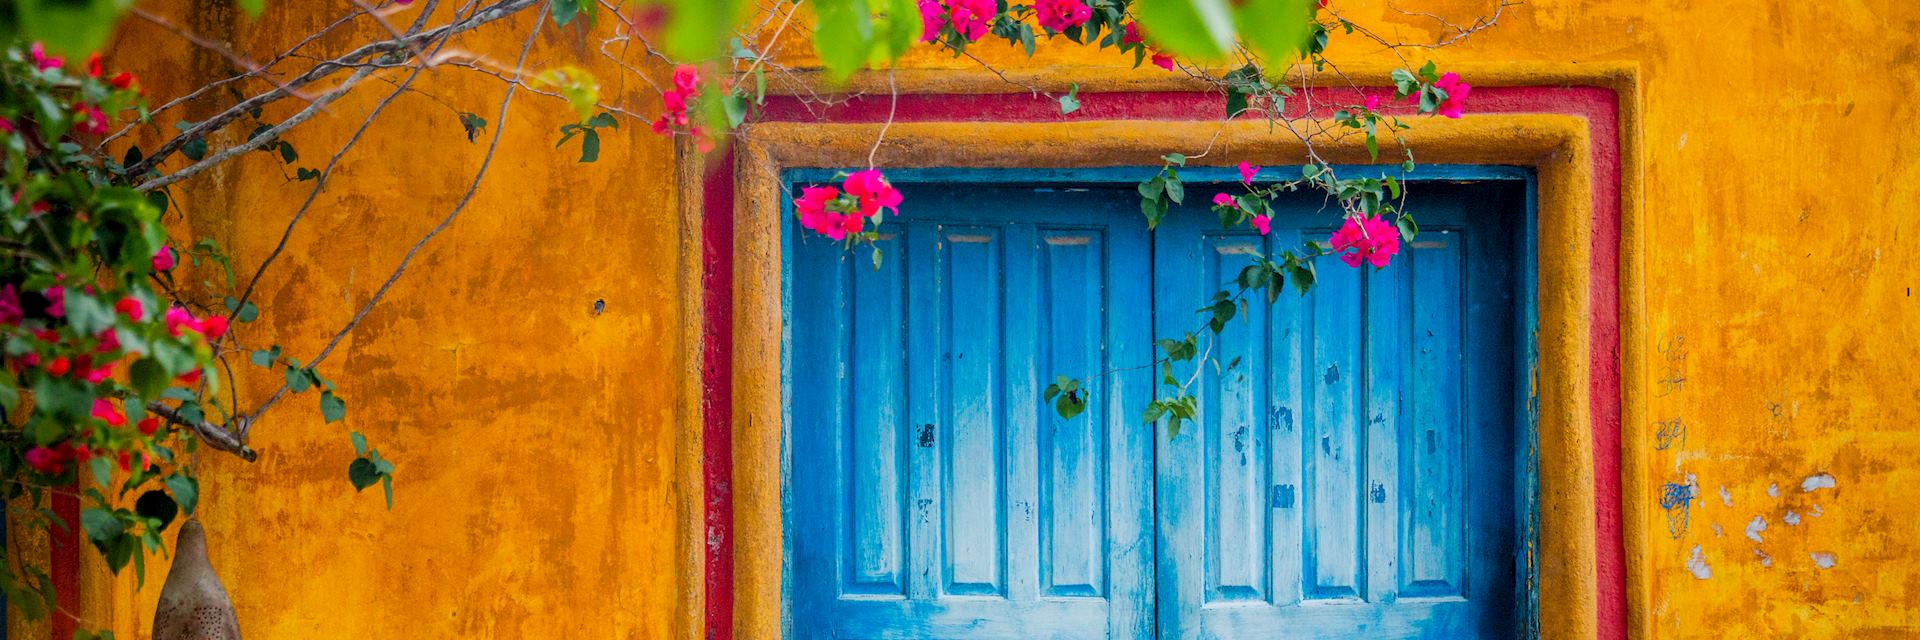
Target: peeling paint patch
{"type": "Point", "coordinates": [1773, 490]}
{"type": "Point", "coordinates": [1754, 528]}
{"type": "Point", "coordinates": [1726, 497]}
{"type": "Point", "coordinates": [1792, 519]}
{"type": "Point", "coordinates": [1815, 512]}
{"type": "Point", "coordinates": [1717, 531]}
{"type": "Point", "coordinates": [1816, 482]}
{"type": "Point", "coordinates": [1697, 565]}
{"type": "Point", "coordinates": [1823, 559]}
{"type": "Point", "coordinates": [1765, 560]}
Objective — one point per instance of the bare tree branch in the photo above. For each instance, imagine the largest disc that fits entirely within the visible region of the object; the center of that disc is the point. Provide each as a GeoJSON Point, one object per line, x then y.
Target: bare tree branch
{"type": "Point", "coordinates": [500, 125]}
{"type": "Point", "coordinates": [489, 14]}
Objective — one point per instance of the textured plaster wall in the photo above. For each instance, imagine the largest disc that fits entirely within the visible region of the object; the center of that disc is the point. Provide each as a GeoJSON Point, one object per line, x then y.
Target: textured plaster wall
{"type": "Point", "coordinates": [537, 491]}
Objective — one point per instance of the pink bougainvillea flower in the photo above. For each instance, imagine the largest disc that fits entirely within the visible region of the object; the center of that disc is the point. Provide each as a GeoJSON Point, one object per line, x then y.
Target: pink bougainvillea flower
{"type": "Point", "coordinates": [1373, 102]}
{"type": "Point", "coordinates": [179, 320]}
{"type": "Point", "coordinates": [814, 216]}
{"type": "Point", "coordinates": [96, 120]}
{"type": "Point", "coordinates": [1223, 200]}
{"type": "Point", "coordinates": [675, 102]}
{"type": "Point", "coordinates": [972, 18]}
{"type": "Point", "coordinates": [45, 460]}
{"type": "Point", "coordinates": [129, 307]}
{"type": "Point", "coordinates": [1248, 171]}
{"type": "Point", "coordinates": [686, 77]}
{"type": "Point", "coordinates": [1163, 61]}
{"type": "Point", "coordinates": [59, 366]}
{"type": "Point", "coordinates": [1373, 241]}
{"type": "Point", "coordinates": [106, 412]}
{"type": "Point", "coordinates": [10, 312]}
{"type": "Point", "coordinates": [163, 259]}
{"type": "Point", "coordinates": [148, 426]}
{"type": "Point", "coordinates": [1061, 15]}
{"type": "Point", "coordinates": [6, 126]}
{"type": "Point", "coordinates": [932, 18]}
{"type": "Point", "coordinates": [214, 327]}
{"type": "Point", "coordinates": [38, 55]}
{"type": "Point", "coordinates": [873, 191]}
{"type": "Point", "coordinates": [1323, 4]}
{"type": "Point", "coordinates": [93, 65]}
{"type": "Point", "coordinates": [123, 80]}
{"type": "Point", "coordinates": [190, 377]}
{"type": "Point", "coordinates": [56, 301]}
{"type": "Point", "coordinates": [109, 342]}
{"type": "Point", "coordinates": [99, 375]}
{"type": "Point", "coordinates": [1262, 223]}
{"type": "Point", "coordinates": [1132, 35]}
{"type": "Point", "coordinates": [1457, 91]}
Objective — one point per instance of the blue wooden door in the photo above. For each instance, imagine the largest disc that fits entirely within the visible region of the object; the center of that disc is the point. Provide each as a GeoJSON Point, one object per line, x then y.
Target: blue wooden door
{"type": "Point", "coordinates": [934, 493]}
{"type": "Point", "coordinates": [1354, 476]}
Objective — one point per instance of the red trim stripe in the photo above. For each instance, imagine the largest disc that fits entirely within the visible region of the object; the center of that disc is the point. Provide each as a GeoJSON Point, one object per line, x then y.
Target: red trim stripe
{"type": "Point", "coordinates": [1599, 106]}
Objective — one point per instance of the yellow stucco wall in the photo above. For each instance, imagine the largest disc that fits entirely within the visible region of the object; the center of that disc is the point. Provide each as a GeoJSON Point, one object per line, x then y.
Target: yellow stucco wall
{"type": "Point", "coordinates": [540, 491]}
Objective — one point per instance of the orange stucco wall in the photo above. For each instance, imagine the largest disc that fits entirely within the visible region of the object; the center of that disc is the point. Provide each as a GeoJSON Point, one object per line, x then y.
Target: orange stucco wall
{"type": "Point", "coordinates": [543, 484]}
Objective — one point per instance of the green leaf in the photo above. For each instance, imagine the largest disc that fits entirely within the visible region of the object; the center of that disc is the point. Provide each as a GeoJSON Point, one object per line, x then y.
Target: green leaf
{"type": "Point", "coordinates": [473, 124]}
{"type": "Point", "coordinates": [67, 27]}
{"type": "Point", "coordinates": [297, 379]}
{"type": "Point", "coordinates": [1236, 102]}
{"type": "Point", "coordinates": [102, 469]}
{"type": "Point", "coordinates": [266, 357]}
{"type": "Point", "coordinates": [287, 154]}
{"type": "Point", "coordinates": [590, 145]}
{"type": "Point", "coordinates": [1278, 29]}
{"type": "Point", "coordinates": [1195, 29]}
{"type": "Point", "coordinates": [100, 525]}
{"type": "Point", "coordinates": [149, 378]}
{"type": "Point", "coordinates": [362, 473]}
{"type": "Point", "coordinates": [1408, 228]}
{"type": "Point", "coordinates": [699, 29]}
{"type": "Point", "coordinates": [332, 407]}
{"type": "Point", "coordinates": [252, 7]}
{"type": "Point", "coordinates": [564, 11]}
{"type": "Point", "coordinates": [185, 490]}
{"type": "Point", "coordinates": [842, 36]}
{"type": "Point", "coordinates": [1071, 102]}
{"type": "Point", "coordinates": [1176, 190]}
{"type": "Point", "coordinates": [359, 444]}
{"type": "Point", "coordinates": [1175, 158]}
{"type": "Point", "coordinates": [194, 149]}
{"type": "Point", "coordinates": [736, 108]}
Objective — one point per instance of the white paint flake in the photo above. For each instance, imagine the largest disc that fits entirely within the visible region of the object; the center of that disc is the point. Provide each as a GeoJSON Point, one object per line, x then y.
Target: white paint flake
{"type": "Point", "coordinates": [1816, 482]}
{"type": "Point", "coordinates": [1726, 497]}
{"type": "Point", "coordinates": [1765, 560]}
{"type": "Point", "coordinates": [1754, 528]}
{"type": "Point", "coordinates": [1697, 564]}
{"type": "Point", "coordinates": [1792, 519]}
{"type": "Point", "coordinates": [1773, 490]}
{"type": "Point", "coordinates": [1824, 560]}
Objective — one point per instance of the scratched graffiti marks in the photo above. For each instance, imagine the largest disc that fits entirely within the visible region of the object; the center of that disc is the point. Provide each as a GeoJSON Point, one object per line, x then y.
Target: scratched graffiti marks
{"type": "Point", "coordinates": [1673, 353]}
{"type": "Point", "coordinates": [1669, 433]}
{"type": "Point", "coordinates": [1677, 500]}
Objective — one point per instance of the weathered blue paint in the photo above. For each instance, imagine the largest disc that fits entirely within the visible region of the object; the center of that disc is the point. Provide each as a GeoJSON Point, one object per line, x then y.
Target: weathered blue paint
{"type": "Point", "coordinates": [1328, 490]}
{"type": "Point", "coordinates": [935, 493]}
{"type": "Point", "coordinates": [1404, 451]}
